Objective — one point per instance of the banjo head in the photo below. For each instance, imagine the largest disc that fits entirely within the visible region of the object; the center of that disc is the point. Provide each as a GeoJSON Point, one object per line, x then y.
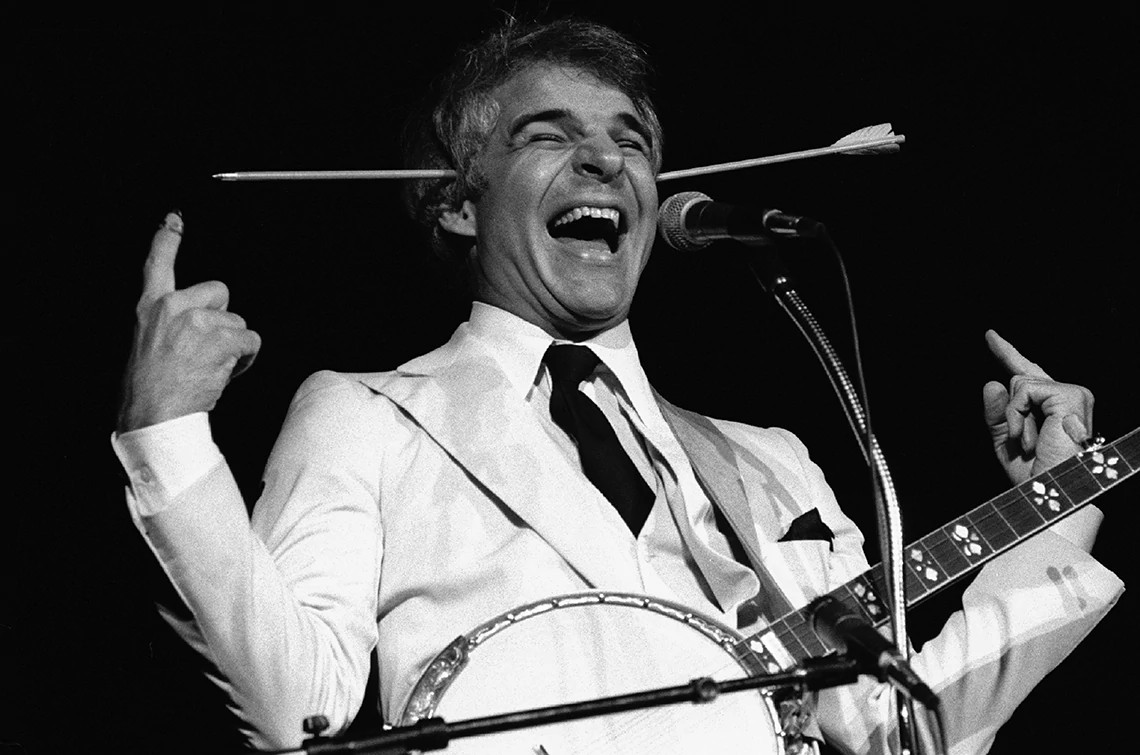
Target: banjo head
{"type": "Point", "coordinates": [586, 646]}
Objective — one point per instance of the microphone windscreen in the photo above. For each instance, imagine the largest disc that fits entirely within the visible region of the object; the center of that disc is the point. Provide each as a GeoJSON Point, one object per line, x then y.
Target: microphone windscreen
{"type": "Point", "coordinates": [671, 221]}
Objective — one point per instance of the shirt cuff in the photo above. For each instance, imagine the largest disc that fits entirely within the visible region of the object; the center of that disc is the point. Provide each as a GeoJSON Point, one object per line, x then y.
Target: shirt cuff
{"type": "Point", "coordinates": [162, 461]}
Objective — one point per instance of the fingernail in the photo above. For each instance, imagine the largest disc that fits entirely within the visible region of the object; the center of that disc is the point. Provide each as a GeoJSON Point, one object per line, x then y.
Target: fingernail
{"type": "Point", "coordinates": [173, 222]}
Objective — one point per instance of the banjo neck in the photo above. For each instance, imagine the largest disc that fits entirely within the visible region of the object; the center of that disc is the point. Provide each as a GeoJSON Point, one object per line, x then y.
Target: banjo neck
{"type": "Point", "coordinates": [510, 653]}
{"type": "Point", "coordinates": [956, 549]}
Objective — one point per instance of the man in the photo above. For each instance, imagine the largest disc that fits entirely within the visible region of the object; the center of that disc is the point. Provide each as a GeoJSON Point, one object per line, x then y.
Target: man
{"type": "Point", "coordinates": [403, 508]}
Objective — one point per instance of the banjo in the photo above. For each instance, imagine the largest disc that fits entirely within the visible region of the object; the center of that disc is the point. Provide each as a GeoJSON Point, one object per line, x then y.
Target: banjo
{"type": "Point", "coordinates": [620, 643]}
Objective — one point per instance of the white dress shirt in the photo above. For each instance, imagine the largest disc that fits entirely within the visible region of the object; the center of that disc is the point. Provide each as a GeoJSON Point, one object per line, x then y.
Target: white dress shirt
{"type": "Point", "coordinates": [164, 460]}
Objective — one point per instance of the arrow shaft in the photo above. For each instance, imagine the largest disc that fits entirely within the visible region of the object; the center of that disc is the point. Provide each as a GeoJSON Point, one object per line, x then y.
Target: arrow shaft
{"type": "Point", "coordinates": [300, 175]}
{"type": "Point", "coordinates": [786, 157]}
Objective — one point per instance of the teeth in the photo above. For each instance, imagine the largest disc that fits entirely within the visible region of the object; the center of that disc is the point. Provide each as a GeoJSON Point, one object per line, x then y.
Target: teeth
{"type": "Point", "coordinates": [588, 212]}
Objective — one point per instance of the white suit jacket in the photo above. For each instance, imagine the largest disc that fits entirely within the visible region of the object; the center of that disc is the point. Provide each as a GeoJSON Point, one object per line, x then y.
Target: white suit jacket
{"type": "Point", "coordinates": [401, 509]}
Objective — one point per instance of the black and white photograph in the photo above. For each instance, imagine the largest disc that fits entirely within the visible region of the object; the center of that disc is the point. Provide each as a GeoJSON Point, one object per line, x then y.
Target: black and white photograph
{"type": "Point", "coordinates": [384, 368]}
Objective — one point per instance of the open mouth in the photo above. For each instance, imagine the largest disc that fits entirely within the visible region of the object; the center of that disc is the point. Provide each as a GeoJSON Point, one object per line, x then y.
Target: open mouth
{"type": "Point", "coordinates": [589, 228]}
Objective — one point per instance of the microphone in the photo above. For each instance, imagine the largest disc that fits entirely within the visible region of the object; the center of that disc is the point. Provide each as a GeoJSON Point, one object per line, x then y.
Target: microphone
{"type": "Point", "coordinates": [691, 220]}
{"type": "Point", "coordinates": [841, 626]}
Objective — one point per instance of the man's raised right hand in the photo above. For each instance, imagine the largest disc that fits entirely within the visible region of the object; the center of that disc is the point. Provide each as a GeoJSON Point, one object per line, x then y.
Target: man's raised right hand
{"type": "Point", "coordinates": [186, 345]}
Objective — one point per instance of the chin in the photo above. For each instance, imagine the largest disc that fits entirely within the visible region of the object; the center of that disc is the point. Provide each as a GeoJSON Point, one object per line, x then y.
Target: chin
{"type": "Point", "coordinates": [605, 304]}
{"type": "Point", "coordinates": [594, 319]}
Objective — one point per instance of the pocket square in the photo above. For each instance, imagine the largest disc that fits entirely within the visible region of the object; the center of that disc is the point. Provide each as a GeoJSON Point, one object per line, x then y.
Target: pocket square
{"type": "Point", "coordinates": [808, 527]}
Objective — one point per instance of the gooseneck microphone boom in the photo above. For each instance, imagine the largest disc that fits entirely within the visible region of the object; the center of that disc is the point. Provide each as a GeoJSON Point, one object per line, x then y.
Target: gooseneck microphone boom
{"type": "Point", "coordinates": [691, 220]}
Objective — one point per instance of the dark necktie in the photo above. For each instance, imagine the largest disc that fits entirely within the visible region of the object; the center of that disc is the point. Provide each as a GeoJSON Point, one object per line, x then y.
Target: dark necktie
{"type": "Point", "coordinates": [604, 461]}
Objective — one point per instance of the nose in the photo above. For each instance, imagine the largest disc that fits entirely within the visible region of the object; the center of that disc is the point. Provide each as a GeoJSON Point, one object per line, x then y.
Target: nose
{"type": "Point", "coordinates": [599, 158]}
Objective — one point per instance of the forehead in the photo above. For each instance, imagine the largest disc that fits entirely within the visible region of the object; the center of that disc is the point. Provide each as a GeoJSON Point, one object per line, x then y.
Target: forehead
{"type": "Point", "coordinates": [548, 88]}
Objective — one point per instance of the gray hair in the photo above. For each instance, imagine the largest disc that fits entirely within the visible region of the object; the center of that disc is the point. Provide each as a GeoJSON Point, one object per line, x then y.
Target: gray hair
{"type": "Point", "coordinates": [452, 128]}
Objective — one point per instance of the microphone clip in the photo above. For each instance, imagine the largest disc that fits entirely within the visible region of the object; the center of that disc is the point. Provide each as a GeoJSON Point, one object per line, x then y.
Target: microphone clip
{"type": "Point", "coordinates": [781, 224]}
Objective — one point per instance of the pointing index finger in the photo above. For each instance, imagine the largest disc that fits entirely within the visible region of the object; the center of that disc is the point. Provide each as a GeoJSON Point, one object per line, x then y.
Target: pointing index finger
{"type": "Point", "coordinates": [158, 271]}
{"type": "Point", "coordinates": [1011, 358]}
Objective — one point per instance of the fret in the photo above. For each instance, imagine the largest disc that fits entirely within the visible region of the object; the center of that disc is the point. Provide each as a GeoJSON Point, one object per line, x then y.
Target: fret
{"type": "Point", "coordinates": [797, 637]}
{"type": "Point", "coordinates": [925, 569]}
{"type": "Point", "coordinates": [812, 643]}
{"type": "Point", "coordinates": [1128, 448]}
{"type": "Point", "coordinates": [773, 655]}
{"type": "Point", "coordinates": [1018, 512]}
{"type": "Point", "coordinates": [1046, 494]}
{"type": "Point", "coordinates": [785, 633]}
{"type": "Point", "coordinates": [915, 587]}
{"type": "Point", "coordinates": [878, 584]}
{"type": "Point", "coordinates": [970, 540]}
{"type": "Point", "coordinates": [754, 655]}
{"type": "Point", "coordinates": [869, 597]}
{"type": "Point", "coordinates": [945, 554]}
{"type": "Point", "coordinates": [992, 527]}
{"type": "Point", "coordinates": [1078, 481]}
{"type": "Point", "coordinates": [847, 596]}
{"type": "Point", "coordinates": [1106, 466]}
{"type": "Point", "coordinates": [976, 537]}
{"type": "Point", "coordinates": [860, 600]}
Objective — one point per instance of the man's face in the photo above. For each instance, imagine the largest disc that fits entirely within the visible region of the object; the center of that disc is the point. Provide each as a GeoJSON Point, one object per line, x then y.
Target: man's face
{"type": "Point", "coordinates": [566, 223]}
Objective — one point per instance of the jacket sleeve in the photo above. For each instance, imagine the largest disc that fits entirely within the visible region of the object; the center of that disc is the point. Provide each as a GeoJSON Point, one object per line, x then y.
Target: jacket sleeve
{"type": "Point", "coordinates": [1020, 617]}
{"type": "Point", "coordinates": [284, 607]}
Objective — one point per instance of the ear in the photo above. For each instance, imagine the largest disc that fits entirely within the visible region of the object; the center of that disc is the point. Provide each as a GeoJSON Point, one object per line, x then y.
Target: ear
{"type": "Point", "coordinates": [460, 222]}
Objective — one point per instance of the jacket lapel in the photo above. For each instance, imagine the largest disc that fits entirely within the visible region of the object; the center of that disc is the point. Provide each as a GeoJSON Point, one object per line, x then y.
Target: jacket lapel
{"type": "Point", "coordinates": [461, 397]}
{"type": "Point", "coordinates": [715, 465]}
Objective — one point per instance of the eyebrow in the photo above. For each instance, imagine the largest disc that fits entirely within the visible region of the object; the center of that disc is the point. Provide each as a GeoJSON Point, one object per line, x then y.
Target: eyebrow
{"type": "Point", "coordinates": [521, 121]}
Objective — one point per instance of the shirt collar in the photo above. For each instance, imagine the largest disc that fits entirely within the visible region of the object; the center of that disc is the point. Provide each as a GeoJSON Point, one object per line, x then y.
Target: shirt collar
{"type": "Point", "coordinates": [518, 346]}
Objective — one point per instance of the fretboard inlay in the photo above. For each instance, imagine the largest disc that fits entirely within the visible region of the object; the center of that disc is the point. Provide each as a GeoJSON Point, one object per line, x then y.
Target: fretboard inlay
{"type": "Point", "coordinates": [950, 553]}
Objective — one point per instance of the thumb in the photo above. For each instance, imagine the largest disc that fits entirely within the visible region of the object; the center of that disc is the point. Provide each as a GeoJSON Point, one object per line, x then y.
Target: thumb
{"type": "Point", "coordinates": [995, 399]}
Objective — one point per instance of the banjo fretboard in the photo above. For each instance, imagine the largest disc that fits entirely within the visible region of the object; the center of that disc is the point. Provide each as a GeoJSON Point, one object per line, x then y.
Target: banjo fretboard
{"type": "Point", "coordinates": [953, 551]}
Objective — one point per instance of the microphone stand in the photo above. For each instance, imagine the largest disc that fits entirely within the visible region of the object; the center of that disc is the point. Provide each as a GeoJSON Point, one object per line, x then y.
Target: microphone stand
{"type": "Point", "coordinates": [435, 733]}
{"type": "Point", "coordinates": [773, 278]}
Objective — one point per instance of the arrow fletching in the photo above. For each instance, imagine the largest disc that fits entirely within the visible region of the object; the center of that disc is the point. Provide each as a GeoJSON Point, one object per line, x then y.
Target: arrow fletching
{"type": "Point", "coordinates": [857, 141]}
{"type": "Point", "coordinates": [872, 140]}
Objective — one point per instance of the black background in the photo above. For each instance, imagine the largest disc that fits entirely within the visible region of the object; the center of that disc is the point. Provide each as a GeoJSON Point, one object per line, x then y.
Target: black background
{"type": "Point", "coordinates": [1011, 205]}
